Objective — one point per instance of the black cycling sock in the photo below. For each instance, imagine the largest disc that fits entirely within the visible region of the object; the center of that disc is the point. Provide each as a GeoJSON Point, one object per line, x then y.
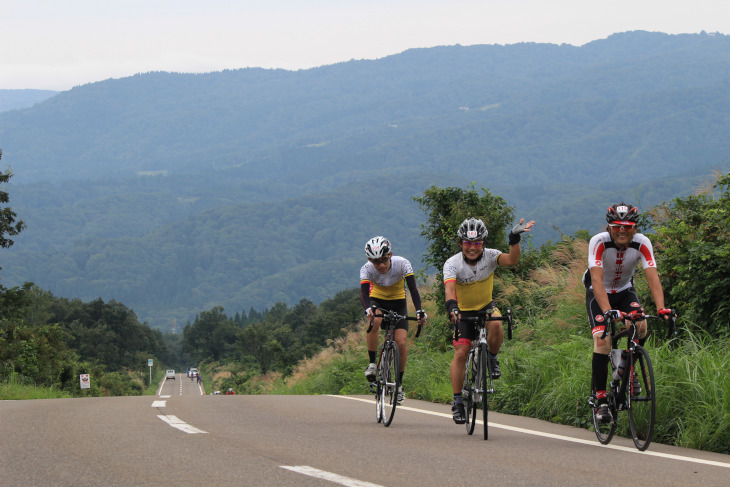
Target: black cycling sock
{"type": "Point", "coordinates": [458, 398]}
{"type": "Point", "coordinates": [492, 356]}
{"type": "Point", "coordinates": [371, 355]}
{"type": "Point", "coordinates": [600, 371]}
{"type": "Point", "coordinates": [642, 341]}
{"type": "Point", "coordinates": [400, 376]}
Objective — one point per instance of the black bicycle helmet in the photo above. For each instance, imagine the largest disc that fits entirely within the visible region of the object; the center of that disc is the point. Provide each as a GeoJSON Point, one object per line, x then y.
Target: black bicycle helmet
{"type": "Point", "coordinates": [622, 213]}
{"type": "Point", "coordinates": [472, 229]}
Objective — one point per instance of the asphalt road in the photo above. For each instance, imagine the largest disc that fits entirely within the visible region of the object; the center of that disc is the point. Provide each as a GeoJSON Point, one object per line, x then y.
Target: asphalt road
{"type": "Point", "coordinates": [182, 438]}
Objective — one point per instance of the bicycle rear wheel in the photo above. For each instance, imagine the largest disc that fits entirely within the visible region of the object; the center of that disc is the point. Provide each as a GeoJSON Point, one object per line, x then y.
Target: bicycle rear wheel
{"type": "Point", "coordinates": [470, 399]}
{"type": "Point", "coordinates": [485, 384]}
{"type": "Point", "coordinates": [391, 382]}
{"type": "Point", "coordinates": [641, 403]}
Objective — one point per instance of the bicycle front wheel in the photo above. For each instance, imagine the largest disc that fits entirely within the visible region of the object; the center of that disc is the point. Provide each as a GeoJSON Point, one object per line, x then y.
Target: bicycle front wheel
{"type": "Point", "coordinates": [470, 399]}
{"type": "Point", "coordinates": [641, 395]}
{"type": "Point", "coordinates": [485, 384]}
{"type": "Point", "coordinates": [604, 431]}
{"type": "Point", "coordinates": [391, 382]}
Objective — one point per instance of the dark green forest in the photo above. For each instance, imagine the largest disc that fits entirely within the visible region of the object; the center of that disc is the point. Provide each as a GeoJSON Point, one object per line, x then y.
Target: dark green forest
{"type": "Point", "coordinates": [174, 192]}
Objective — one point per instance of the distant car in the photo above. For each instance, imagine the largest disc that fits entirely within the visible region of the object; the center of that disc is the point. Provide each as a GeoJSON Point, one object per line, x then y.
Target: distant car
{"type": "Point", "coordinates": [170, 374]}
{"type": "Point", "coordinates": [194, 372]}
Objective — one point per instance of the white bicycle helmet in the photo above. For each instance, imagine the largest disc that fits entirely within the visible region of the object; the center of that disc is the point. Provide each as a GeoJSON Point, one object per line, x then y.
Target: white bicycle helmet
{"type": "Point", "coordinates": [377, 247]}
{"type": "Point", "coordinates": [472, 229]}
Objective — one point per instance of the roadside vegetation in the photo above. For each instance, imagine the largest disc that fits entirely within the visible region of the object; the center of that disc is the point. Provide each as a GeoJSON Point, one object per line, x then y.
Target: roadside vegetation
{"type": "Point", "coordinates": [546, 367]}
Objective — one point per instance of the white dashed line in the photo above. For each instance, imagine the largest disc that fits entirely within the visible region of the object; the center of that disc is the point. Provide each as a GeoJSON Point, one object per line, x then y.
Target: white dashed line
{"type": "Point", "coordinates": [177, 423]}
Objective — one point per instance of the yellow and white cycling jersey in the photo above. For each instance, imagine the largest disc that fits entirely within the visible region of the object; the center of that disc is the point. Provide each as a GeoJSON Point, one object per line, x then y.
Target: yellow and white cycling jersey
{"type": "Point", "coordinates": [474, 284]}
{"type": "Point", "coordinates": [390, 285]}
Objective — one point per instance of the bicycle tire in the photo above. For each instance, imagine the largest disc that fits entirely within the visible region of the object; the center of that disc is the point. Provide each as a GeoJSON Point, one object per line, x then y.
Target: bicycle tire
{"type": "Point", "coordinates": [641, 404]}
{"type": "Point", "coordinates": [391, 383]}
{"type": "Point", "coordinates": [468, 390]}
{"type": "Point", "coordinates": [378, 390]}
{"type": "Point", "coordinates": [605, 431]}
{"type": "Point", "coordinates": [485, 378]}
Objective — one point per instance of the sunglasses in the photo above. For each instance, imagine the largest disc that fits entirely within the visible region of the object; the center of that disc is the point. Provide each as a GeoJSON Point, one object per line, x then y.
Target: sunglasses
{"type": "Point", "coordinates": [469, 243]}
{"type": "Point", "coordinates": [617, 226]}
{"type": "Point", "coordinates": [380, 261]}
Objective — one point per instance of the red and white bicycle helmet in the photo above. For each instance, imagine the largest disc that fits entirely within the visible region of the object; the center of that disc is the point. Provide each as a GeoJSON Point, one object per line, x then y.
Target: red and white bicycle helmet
{"type": "Point", "coordinates": [622, 214]}
{"type": "Point", "coordinates": [377, 247]}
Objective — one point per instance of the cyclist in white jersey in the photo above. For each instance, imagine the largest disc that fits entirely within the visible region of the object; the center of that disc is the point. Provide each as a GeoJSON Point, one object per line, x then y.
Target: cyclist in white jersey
{"type": "Point", "coordinates": [468, 283]}
{"type": "Point", "coordinates": [382, 283]}
{"type": "Point", "coordinates": [609, 281]}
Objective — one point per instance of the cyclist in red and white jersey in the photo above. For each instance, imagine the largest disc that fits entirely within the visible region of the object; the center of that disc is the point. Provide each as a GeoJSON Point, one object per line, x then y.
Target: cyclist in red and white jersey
{"type": "Point", "coordinates": [609, 281]}
{"type": "Point", "coordinates": [382, 283]}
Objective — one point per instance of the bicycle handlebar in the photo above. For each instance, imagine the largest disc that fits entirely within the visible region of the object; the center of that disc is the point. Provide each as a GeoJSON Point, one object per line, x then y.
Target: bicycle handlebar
{"type": "Point", "coordinates": [391, 316]}
{"type": "Point", "coordinates": [637, 316]}
{"type": "Point", "coordinates": [486, 315]}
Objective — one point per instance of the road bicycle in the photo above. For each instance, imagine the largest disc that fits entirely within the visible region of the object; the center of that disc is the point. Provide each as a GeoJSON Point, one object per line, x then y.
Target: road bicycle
{"type": "Point", "coordinates": [387, 379]}
{"type": "Point", "coordinates": [632, 387]}
{"type": "Point", "coordinates": [478, 381]}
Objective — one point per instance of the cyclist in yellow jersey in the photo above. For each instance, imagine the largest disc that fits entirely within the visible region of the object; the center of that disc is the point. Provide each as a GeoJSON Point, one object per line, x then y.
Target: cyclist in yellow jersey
{"type": "Point", "coordinates": [382, 283]}
{"type": "Point", "coordinates": [468, 284]}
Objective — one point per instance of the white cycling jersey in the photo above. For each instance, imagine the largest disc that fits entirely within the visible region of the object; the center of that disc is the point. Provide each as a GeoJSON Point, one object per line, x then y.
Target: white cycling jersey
{"type": "Point", "coordinates": [618, 264]}
{"type": "Point", "coordinates": [390, 285]}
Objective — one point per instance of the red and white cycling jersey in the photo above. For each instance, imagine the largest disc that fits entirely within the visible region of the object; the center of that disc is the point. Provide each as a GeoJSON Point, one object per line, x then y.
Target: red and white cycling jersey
{"type": "Point", "coordinates": [618, 264]}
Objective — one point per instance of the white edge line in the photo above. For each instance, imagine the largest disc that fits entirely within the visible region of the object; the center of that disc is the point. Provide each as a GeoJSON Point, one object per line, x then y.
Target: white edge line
{"type": "Point", "coordinates": [332, 477]}
{"type": "Point", "coordinates": [559, 437]}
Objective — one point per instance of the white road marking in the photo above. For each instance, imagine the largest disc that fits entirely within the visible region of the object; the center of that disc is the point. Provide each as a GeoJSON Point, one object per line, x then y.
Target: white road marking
{"type": "Point", "coordinates": [164, 397]}
{"type": "Point", "coordinates": [560, 437]}
{"type": "Point", "coordinates": [332, 477]}
{"type": "Point", "coordinates": [159, 404]}
{"type": "Point", "coordinates": [175, 422]}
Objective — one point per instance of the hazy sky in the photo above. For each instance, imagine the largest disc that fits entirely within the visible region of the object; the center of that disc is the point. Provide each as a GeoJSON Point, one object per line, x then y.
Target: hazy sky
{"type": "Point", "coordinates": [58, 44]}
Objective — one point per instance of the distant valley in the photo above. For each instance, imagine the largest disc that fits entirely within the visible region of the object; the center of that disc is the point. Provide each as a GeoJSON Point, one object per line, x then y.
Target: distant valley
{"type": "Point", "coordinates": [174, 193]}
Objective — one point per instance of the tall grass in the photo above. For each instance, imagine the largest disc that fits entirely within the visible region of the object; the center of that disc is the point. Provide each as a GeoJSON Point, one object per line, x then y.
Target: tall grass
{"type": "Point", "coordinates": [13, 389]}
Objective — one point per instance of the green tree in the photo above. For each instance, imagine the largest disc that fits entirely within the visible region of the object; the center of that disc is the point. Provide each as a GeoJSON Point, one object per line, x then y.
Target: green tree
{"type": "Point", "coordinates": [446, 209]}
{"type": "Point", "coordinates": [693, 247]}
{"type": "Point", "coordinates": [10, 299]}
{"type": "Point", "coordinates": [9, 227]}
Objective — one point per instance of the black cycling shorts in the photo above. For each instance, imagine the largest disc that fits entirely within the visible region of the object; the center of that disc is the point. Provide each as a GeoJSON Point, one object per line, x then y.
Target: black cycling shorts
{"type": "Point", "coordinates": [625, 301]}
{"type": "Point", "coordinates": [400, 306]}
{"type": "Point", "coordinates": [467, 330]}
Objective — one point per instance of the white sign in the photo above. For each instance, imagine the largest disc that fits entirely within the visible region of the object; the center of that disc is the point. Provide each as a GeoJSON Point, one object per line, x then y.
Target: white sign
{"type": "Point", "coordinates": [149, 362]}
{"type": "Point", "coordinates": [85, 381]}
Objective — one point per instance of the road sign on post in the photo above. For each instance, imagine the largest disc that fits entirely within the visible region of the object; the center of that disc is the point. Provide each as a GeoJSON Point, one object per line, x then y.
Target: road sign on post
{"type": "Point", "coordinates": [149, 364]}
{"type": "Point", "coordinates": [85, 381]}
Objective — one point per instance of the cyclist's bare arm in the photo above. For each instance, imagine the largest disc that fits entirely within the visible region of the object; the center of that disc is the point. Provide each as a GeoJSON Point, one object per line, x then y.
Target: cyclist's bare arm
{"type": "Point", "coordinates": [599, 290]}
{"type": "Point", "coordinates": [655, 286]}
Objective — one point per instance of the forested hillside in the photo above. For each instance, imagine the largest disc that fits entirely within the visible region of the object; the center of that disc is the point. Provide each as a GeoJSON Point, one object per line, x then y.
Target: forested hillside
{"type": "Point", "coordinates": [177, 192]}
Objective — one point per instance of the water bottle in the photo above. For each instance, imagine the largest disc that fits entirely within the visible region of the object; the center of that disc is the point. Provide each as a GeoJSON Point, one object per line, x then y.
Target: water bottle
{"type": "Point", "coordinates": [618, 362]}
